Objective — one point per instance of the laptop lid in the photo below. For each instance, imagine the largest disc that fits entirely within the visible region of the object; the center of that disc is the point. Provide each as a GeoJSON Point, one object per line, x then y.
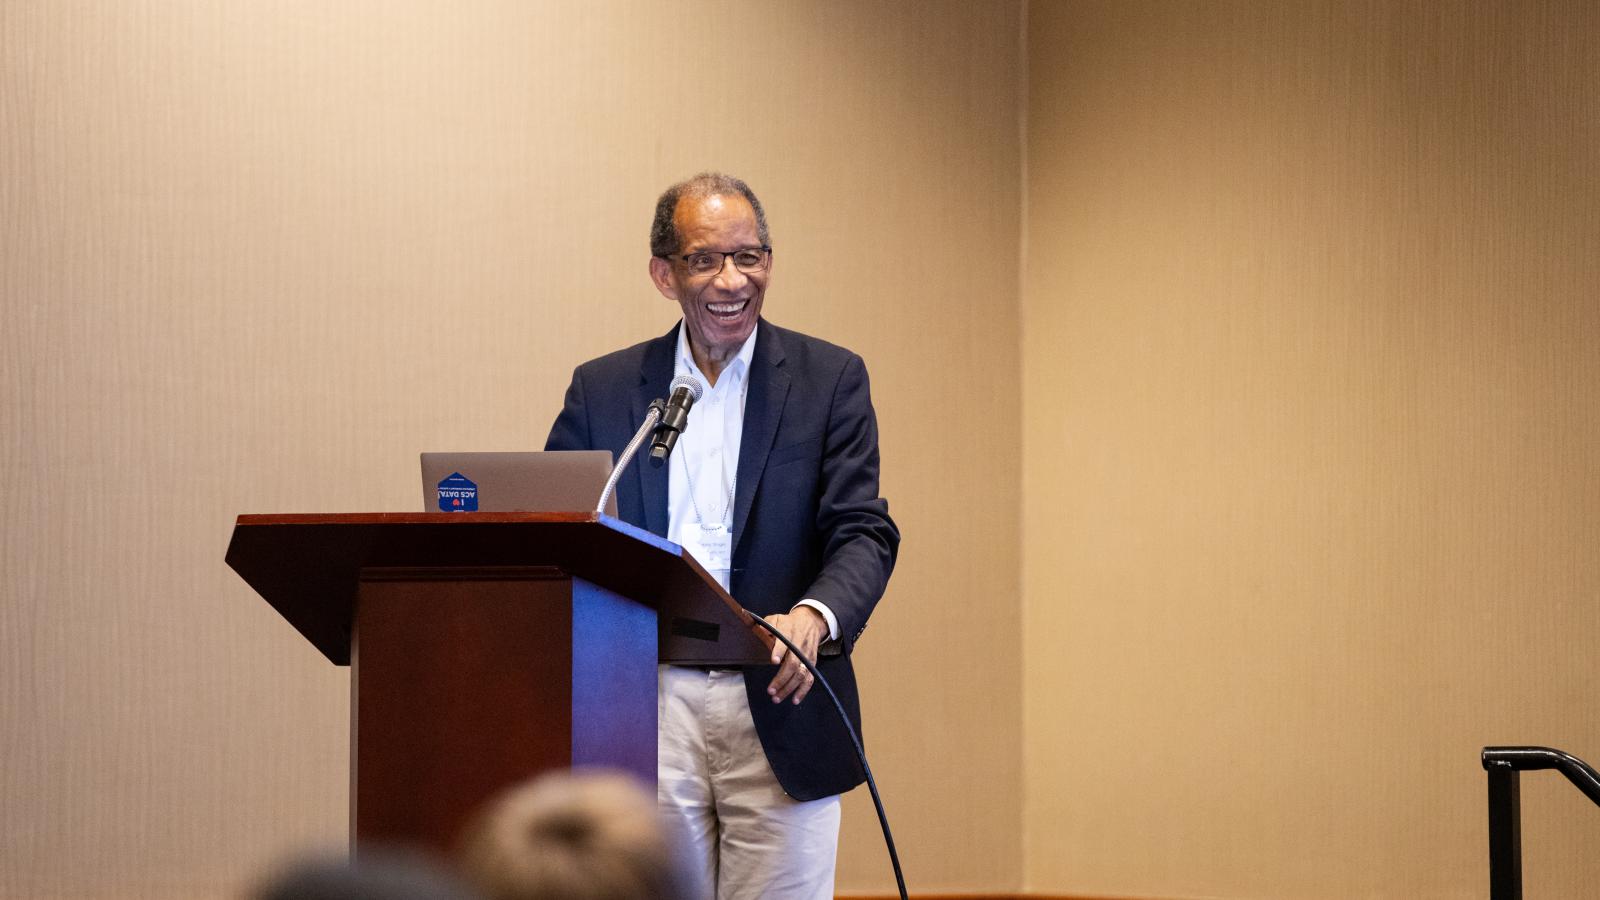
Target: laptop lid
{"type": "Point", "coordinates": [551, 481]}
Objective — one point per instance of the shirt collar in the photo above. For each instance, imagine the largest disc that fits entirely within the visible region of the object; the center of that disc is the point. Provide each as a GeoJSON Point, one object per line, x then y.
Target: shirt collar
{"type": "Point", "coordinates": [738, 366]}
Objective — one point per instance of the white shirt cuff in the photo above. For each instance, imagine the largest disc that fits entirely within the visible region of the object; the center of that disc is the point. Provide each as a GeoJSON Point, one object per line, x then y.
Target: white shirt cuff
{"type": "Point", "coordinates": [827, 616]}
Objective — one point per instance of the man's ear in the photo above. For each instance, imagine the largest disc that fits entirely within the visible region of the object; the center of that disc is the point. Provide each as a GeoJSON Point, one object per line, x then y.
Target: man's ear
{"type": "Point", "coordinates": [661, 277]}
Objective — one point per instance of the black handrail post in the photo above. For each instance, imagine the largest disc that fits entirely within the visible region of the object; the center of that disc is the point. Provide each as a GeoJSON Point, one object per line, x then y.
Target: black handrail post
{"type": "Point", "coordinates": [1505, 765]}
{"type": "Point", "coordinates": [1505, 833]}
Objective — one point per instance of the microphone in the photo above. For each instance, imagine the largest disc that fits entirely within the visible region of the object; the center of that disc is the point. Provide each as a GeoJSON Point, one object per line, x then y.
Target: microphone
{"type": "Point", "coordinates": [685, 390]}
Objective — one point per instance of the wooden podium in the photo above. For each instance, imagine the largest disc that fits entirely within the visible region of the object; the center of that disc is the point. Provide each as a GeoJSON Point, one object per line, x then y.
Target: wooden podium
{"type": "Point", "coordinates": [487, 647]}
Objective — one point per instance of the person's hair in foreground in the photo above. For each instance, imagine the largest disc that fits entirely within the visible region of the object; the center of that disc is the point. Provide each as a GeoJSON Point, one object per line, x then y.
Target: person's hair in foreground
{"type": "Point", "coordinates": [574, 836]}
{"type": "Point", "coordinates": [374, 874]}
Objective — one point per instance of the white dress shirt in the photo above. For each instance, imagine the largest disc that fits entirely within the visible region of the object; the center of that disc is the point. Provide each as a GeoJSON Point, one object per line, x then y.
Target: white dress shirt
{"type": "Point", "coordinates": [703, 468]}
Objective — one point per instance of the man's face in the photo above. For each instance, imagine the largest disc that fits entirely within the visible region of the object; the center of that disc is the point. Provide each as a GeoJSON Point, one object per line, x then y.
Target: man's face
{"type": "Point", "coordinates": [720, 310]}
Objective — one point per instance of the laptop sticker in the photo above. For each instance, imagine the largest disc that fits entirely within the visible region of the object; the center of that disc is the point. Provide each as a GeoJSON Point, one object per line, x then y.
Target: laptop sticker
{"type": "Point", "coordinates": [458, 494]}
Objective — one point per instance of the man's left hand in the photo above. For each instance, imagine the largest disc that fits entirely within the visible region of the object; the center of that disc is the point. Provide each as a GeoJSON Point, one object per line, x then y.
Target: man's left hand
{"type": "Point", "coordinates": [806, 628]}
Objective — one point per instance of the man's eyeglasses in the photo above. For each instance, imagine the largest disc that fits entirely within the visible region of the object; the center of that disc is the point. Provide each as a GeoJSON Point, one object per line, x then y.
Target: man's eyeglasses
{"type": "Point", "coordinates": [750, 261]}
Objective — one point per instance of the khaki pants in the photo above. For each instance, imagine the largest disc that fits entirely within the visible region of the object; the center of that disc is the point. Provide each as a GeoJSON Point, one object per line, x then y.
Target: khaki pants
{"type": "Point", "coordinates": [749, 838]}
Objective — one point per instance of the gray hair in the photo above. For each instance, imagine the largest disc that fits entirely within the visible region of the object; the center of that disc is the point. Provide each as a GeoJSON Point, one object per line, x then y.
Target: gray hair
{"type": "Point", "coordinates": [664, 237]}
{"type": "Point", "coordinates": [575, 835]}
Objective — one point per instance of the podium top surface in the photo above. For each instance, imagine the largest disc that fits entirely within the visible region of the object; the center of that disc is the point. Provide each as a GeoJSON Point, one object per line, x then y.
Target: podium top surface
{"type": "Point", "coordinates": [309, 566]}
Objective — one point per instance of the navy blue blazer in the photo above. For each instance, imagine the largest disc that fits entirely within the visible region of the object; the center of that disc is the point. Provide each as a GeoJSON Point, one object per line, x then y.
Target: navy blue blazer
{"type": "Point", "coordinates": [807, 518]}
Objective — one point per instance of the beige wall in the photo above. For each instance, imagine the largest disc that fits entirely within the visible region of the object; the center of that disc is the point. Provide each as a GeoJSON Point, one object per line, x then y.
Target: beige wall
{"type": "Point", "coordinates": [1305, 333]}
{"type": "Point", "coordinates": [254, 257]}
{"type": "Point", "coordinates": [1312, 402]}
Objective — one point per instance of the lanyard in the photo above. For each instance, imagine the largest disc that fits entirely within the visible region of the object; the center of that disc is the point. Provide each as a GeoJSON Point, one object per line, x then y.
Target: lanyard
{"type": "Point", "coordinates": [725, 518]}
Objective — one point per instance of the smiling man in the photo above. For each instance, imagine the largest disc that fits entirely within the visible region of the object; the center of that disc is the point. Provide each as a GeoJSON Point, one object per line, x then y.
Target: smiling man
{"type": "Point", "coordinates": [773, 487]}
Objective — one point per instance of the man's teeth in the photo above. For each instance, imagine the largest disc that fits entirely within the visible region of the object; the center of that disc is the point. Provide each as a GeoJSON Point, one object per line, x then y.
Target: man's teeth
{"type": "Point", "coordinates": [726, 307]}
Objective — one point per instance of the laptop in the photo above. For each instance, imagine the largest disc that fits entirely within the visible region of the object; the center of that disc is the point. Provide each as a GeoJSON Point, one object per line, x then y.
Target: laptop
{"type": "Point", "coordinates": [553, 481]}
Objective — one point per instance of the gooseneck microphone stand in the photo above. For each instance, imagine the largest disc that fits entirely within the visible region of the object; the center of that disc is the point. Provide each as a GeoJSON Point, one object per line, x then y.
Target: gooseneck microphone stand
{"type": "Point", "coordinates": [650, 419]}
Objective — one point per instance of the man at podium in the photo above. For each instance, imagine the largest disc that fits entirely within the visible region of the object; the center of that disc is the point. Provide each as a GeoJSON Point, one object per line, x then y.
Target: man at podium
{"type": "Point", "coordinates": [773, 487]}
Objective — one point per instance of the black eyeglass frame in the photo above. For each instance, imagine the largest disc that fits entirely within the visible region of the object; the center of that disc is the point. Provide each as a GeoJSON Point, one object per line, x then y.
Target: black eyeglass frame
{"type": "Point", "coordinates": [766, 260]}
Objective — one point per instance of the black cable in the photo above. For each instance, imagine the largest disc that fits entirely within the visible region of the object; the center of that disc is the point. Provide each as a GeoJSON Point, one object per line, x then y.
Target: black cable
{"type": "Point", "coordinates": [861, 753]}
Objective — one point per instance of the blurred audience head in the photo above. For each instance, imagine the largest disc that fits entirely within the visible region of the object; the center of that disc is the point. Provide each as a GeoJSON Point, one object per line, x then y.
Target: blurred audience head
{"type": "Point", "coordinates": [372, 875]}
{"type": "Point", "coordinates": [575, 836]}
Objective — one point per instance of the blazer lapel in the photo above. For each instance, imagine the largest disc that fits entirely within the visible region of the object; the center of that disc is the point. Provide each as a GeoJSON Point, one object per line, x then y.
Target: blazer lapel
{"type": "Point", "coordinates": [763, 410]}
{"type": "Point", "coordinates": [655, 376]}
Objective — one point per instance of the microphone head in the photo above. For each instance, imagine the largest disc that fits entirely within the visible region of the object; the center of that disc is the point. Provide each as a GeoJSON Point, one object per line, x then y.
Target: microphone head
{"type": "Point", "coordinates": [687, 381]}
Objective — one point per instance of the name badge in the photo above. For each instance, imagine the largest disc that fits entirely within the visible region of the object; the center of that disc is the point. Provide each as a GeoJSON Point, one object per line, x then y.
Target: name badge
{"type": "Point", "coordinates": [715, 546]}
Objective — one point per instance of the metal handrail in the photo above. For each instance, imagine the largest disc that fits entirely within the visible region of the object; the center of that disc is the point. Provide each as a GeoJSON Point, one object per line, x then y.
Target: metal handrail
{"type": "Point", "coordinates": [1527, 759]}
{"type": "Point", "coordinates": [1505, 766]}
